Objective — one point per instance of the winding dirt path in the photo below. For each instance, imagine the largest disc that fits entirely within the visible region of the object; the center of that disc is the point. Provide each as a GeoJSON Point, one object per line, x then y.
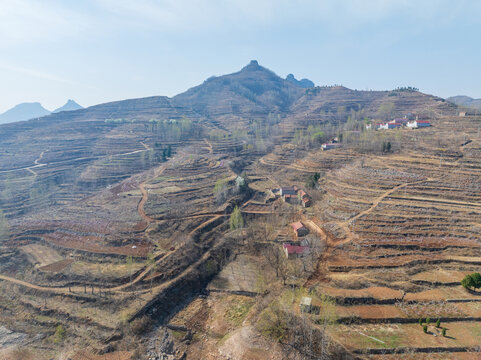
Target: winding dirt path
{"type": "Point", "coordinates": [36, 162]}
{"type": "Point", "coordinates": [81, 289]}
{"type": "Point", "coordinates": [140, 206]}
{"type": "Point", "coordinates": [209, 146]}
{"type": "Point", "coordinates": [332, 244]}
{"type": "Point", "coordinates": [380, 198]}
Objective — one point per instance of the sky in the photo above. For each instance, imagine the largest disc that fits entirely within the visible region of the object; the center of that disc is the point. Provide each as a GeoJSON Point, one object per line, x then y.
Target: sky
{"type": "Point", "coordinates": [95, 51]}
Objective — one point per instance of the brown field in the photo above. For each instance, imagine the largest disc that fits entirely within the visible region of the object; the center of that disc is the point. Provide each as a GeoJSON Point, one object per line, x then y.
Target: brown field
{"type": "Point", "coordinates": [41, 255]}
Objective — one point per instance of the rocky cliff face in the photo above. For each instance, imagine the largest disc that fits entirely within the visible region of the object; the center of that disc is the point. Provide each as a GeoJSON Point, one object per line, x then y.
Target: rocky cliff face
{"type": "Point", "coordinates": [304, 83]}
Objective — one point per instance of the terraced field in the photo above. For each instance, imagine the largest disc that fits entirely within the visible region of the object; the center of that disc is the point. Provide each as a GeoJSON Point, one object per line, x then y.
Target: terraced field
{"type": "Point", "coordinates": [402, 230]}
{"type": "Point", "coordinates": [113, 214]}
{"type": "Point", "coordinates": [168, 211]}
{"type": "Point", "coordinates": [407, 228]}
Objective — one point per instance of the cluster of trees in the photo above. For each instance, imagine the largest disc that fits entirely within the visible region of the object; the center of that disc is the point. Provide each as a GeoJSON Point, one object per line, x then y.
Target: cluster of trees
{"type": "Point", "coordinates": [472, 281]}
{"type": "Point", "coordinates": [406, 88]}
{"type": "Point", "coordinates": [311, 181]}
{"type": "Point", "coordinates": [223, 188]}
{"type": "Point", "coordinates": [313, 136]}
{"type": "Point", "coordinates": [173, 129]}
{"type": "Point", "coordinates": [119, 121]}
{"type": "Point", "coordinates": [162, 153]}
{"type": "Point", "coordinates": [259, 133]}
{"type": "Point", "coordinates": [428, 321]}
{"type": "Point", "coordinates": [379, 142]}
{"type": "Point", "coordinates": [385, 111]}
{"type": "Point", "coordinates": [386, 147]}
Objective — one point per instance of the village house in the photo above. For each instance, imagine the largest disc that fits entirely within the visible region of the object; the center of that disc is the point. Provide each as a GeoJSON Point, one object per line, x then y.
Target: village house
{"type": "Point", "coordinates": [418, 123]}
{"type": "Point", "coordinates": [306, 303]}
{"type": "Point", "coordinates": [295, 251]}
{"type": "Point", "coordinates": [400, 121]}
{"type": "Point", "coordinates": [305, 200]}
{"type": "Point", "coordinates": [299, 229]}
{"type": "Point", "coordinates": [289, 194]}
{"type": "Point", "coordinates": [389, 125]}
{"type": "Point", "coordinates": [329, 146]}
{"type": "Point", "coordinates": [294, 195]}
{"type": "Point", "coordinates": [289, 190]}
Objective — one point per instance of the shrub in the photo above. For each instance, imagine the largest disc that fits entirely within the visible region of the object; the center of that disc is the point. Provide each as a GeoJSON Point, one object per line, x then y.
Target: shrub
{"type": "Point", "coordinates": [425, 329]}
{"type": "Point", "coordinates": [476, 280]}
{"type": "Point", "coordinates": [141, 325]}
{"type": "Point", "coordinates": [59, 334]}
{"type": "Point", "coordinates": [443, 331]}
{"type": "Point", "coordinates": [420, 321]}
{"type": "Point", "coordinates": [428, 321]}
{"type": "Point", "coordinates": [221, 190]}
{"type": "Point", "coordinates": [467, 282]}
{"type": "Point", "coordinates": [273, 323]}
{"type": "Point", "coordinates": [236, 220]}
{"type": "Point", "coordinates": [472, 281]}
{"type": "Point", "coordinates": [438, 323]}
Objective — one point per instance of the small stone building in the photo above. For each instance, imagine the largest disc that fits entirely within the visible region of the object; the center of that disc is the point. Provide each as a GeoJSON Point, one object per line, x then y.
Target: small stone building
{"type": "Point", "coordinates": [299, 229]}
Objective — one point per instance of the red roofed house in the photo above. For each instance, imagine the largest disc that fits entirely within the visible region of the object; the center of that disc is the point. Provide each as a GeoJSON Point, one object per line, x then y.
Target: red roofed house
{"type": "Point", "coordinates": [295, 251]}
{"type": "Point", "coordinates": [290, 198]}
{"type": "Point", "coordinates": [299, 229]}
{"type": "Point", "coordinates": [305, 199]}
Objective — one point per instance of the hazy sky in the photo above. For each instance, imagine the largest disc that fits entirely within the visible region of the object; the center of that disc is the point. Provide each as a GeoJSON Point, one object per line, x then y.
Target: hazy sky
{"type": "Point", "coordinates": [95, 51]}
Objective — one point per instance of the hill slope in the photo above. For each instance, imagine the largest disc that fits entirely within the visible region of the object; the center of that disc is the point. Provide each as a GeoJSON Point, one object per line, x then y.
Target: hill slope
{"type": "Point", "coordinates": [252, 90]}
{"type": "Point", "coordinates": [252, 108]}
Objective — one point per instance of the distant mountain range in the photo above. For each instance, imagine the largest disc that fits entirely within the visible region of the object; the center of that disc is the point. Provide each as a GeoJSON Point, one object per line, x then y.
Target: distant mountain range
{"type": "Point", "coordinates": [70, 105]}
{"type": "Point", "coordinates": [462, 100]}
{"type": "Point", "coordinates": [26, 111]}
{"type": "Point", "coordinates": [23, 111]}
